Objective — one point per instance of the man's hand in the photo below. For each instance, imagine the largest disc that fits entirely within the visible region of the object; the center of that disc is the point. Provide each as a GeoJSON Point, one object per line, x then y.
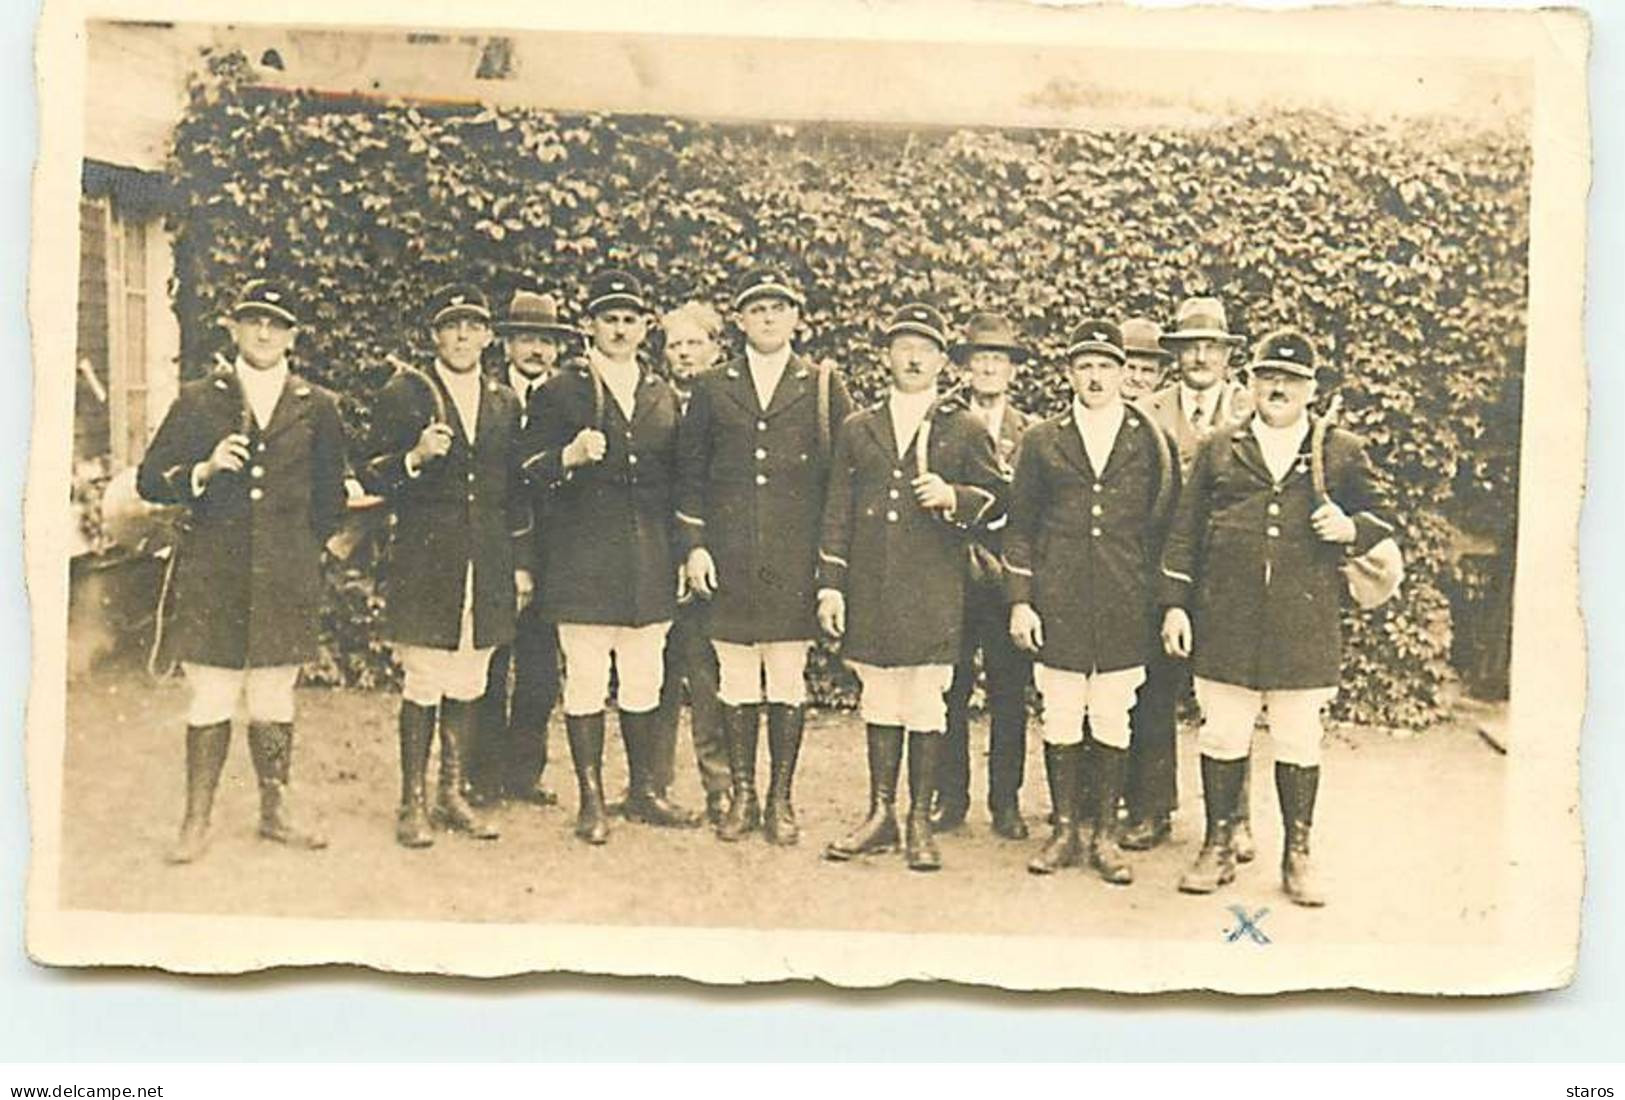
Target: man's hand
{"type": "Point", "coordinates": [933, 493]}
{"type": "Point", "coordinates": [231, 453]}
{"type": "Point", "coordinates": [524, 587]}
{"type": "Point", "coordinates": [702, 572]}
{"type": "Point", "coordinates": [1176, 632]}
{"type": "Point", "coordinates": [832, 613]}
{"type": "Point", "coordinates": [433, 443]}
{"type": "Point", "coordinates": [1332, 524]}
{"type": "Point", "coordinates": [1026, 628]}
{"type": "Point", "coordinates": [587, 447]}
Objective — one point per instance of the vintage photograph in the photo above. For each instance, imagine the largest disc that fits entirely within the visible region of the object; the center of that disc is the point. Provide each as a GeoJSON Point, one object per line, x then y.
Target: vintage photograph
{"type": "Point", "coordinates": [1044, 498]}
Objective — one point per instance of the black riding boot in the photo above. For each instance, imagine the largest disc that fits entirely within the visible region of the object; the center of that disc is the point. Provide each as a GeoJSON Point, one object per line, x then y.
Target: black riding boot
{"type": "Point", "coordinates": [645, 801]}
{"type": "Point", "coordinates": [1297, 788]}
{"type": "Point", "coordinates": [1216, 863]}
{"type": "Point", "coordinates": [586, 736]}
{"type": "Point", "coordinates": [878, 833]}
{"type": "Point", "coordinates": [1242, 833]}
{"type": "Point", "coordinates": [1063, 848]}
{"type": "Point", "coordinates": [952, 802]}
{"type": "Point", "coordinates": [784, 726]}
{"type": "Point", "coordinates": [742, 726]}
{"type": "Point", "coordinates": [924, 750]}
{"type": "Point", "coordinates": [417, 737]}
{"type": "Point", "coordinates": [1111, 766]}
{"type": "Point", "coordinates": [270, 744]}
{"type": "Point", "coordinates": [206, 749]}
{"type": "Point", "coordinates": [458, 728]}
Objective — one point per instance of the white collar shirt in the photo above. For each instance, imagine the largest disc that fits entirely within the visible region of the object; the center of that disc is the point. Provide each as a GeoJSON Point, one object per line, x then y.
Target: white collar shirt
{"type": "Point", "coordinates": [992, 418]}
{"type": "Point", "coordinates": [1098, 429]}
{"type": "Point", "coordinates": [1281, 446]}
{"type": "Point", "coordinates": [907, 413]}
{"type": "Point", "coordinates": [766, 371]}
{"type": "Point", "coordinates": [523, 387]}
{"type": "Point", "coordinates": [620, 378]}
{"type": "Point", "coordinates": [464, 388]}
{"type": "Point", "coordinates": [262, 388]}
{"type": "Point", "coordinates": [1199, 406]}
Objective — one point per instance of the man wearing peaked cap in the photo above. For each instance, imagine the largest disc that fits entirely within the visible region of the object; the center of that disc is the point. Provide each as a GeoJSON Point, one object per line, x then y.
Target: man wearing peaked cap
{"type": "Point", "coordinates": [1147, 358]}
{"type": "Point", "coordinates": [444, 452]}
{"type": "Point", "coordinates": [753, 461]}
{"type": "Point", "coordinates": [603, 444]}
{"type": "Point", "coordinates": [1252, 587]}
{"type": "Point", "coordinates": [256, 454]}
{"type": "Point", "coordinates": [990, 353]}
{"type": "Point", "coordinates": [1092, 490]}
{"type": "Point", "coordinates": [908, 481]}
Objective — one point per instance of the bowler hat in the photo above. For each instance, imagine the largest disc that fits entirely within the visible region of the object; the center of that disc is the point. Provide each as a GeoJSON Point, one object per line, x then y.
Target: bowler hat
{"type": "Point", "coordinates": [1287, 350]}
{"type": "Point", "coordinates": [1200, 319]}
{"type": "Point", "coordinates": [264, 296]}
{"type": "Point", "coordinates": [539, 313]}
{"type": "Point", "coordinates": [1096, 335]}
{"type": "Point", "coordinates": [614, 288]}
{"type": "Point", "coordinates": [766, 282]}
{"type": "Point", "coordinates": [920, 319]}
{"type": "Point", "coordinates": [1143, 336]}
{"type": "Point", "coordinates": [990, 332]}
{"type": "Point", "coordinates": [457, 300]}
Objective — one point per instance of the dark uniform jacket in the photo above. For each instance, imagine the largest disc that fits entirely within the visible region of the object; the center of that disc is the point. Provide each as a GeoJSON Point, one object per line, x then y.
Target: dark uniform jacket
{"type": "Point", "coordinates": [466, 506]}
{"type": "Point", "coordinates": [1234, 407]}
{"type": "Point", "coordinates": [1081, 545]}
{"type": "Point", "coordinates": [751, 490]}
{"type": "Point", "coordinates": [1264, 592]}
{"type": "Point", "coordinates": [248, 581]}
{"type": "Point", "coordinates": [607, 547]}
{"type": "Point", "coordinates": [902, 568]}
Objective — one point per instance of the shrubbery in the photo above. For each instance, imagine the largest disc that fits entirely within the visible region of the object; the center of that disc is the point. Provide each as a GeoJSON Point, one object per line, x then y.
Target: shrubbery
{"type": "Point", "coordinates": [1403, 249]}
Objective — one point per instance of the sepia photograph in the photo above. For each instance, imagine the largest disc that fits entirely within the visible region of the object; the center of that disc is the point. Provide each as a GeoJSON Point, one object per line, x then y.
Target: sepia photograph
{"type": "Point", "coordinates": [1043, 498]}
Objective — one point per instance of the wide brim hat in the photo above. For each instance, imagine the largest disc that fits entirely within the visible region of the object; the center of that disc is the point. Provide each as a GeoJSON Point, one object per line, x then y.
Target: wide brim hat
{"type": "Point", "coordinates": [615, 288]}
{"type": "Point", "coordinates": [264, 297]}
{"type": "Point", "coordinates": [990, 332]}
{"type": "Point", "coordinates": [538, 313]}
{"type": "Point", "coordinates": [1285, 350]}
{"type": "Point", "coordinates": [919, 319]}
{"type": "Point", "coordinates": [767, 282]}
{"type": "Point", "coordinates": [1143, 336]}
{"type": "Point", "coordinates": [457, 300]}
{"type": "Point", "coordinates": [1096, 335]}
{"type": "Point", "coordinates": [1200, 319]}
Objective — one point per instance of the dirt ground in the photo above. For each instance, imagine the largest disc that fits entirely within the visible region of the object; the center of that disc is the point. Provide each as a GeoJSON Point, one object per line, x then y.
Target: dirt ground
{"type": "Point", "coordinates": [1408, 834]}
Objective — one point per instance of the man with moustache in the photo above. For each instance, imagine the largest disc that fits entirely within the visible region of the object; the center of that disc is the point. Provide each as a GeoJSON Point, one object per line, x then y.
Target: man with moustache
{"type": "Point", "coordinates": [604, 443]}
{"type": "Point", "coordinates": [910, 480]}
{"type": "Point", "coordinates": [753, 462]}
{"type": "Point", "coordinates": [1091, 493]}
{"type": "Point", "coordinates": [512, 755]}
{"type": "Point", "coordinates": [1202, 400]}
{"type": "Point", "coordinates": [445, 454]}
{"type": "Point", "coordinates": [989, 354]}
{"type": "Point", "coordinates": [1253, 588]}
{"type": "Point", "coordinates": [692, 332]}
{"type": "Point", "coordinates": [256, 454]}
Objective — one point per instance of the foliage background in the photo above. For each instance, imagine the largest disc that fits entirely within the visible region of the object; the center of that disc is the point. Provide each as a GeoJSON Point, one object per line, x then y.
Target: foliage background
{"type": "Point", "coordinates": [1401, 247]}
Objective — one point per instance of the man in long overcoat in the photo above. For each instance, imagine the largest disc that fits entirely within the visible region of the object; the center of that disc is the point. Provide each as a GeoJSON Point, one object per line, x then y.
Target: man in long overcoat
{"type": "Point", "coordinates": [603, 438]}
{"type": "Point", "coordinates": [753, 463]}
{"type": "Point", "coordinates": [911, 479]}
{"type": "Point", "coordinates": [1088, 507]}
{"type": "Point", "coordinates": [256, 453]}
{"type": "Point", "coordinates": [444, 451]}
{"type": "Point", "coordinates": [1254, 592]}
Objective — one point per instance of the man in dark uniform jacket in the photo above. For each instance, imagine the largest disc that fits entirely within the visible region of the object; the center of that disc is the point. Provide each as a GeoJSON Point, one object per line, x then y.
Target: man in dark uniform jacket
{"type": "Point", "coordinates": [257, 455]}
{"type": "Point", "coordinates": [445, 453]}
{"type": "Point", "coordinates": [603, 438]}
{"type": "Point", "coordinates": [1092, 491]}
{"type": "Point", "coordinates": [911, 478]}
{"type": "Point", "coordinates": [1253, 587]}
{"type": "Point", "coordinates": [513, 753]}
{"type": "Point", "coordinates": [990, 353]}
{"type": "Point", "coordinates": [753, 462]}
{"type": "Point", "coordinates": [1201, 400]}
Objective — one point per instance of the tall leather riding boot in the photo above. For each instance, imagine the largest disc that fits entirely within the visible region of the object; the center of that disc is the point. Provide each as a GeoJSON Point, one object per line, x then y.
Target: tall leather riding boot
{"type": "Point", "coordinates": [1063, 848]}
{"type": "Point", "coordinates": [417, 738]}
{"type": "Point", "coordinates": [270, 744]}
{"type": "Point", "coordinates": [878, 832]}
{"type": "Point", "coordinates": [924, 751]}
{"type": "Point", "coordinates": [645, 800]}
{"type": "Point", "coordinates": [1086, 790]}
{"type": "Point", "coordinates": [586, 736]}
{"type": "Point", "coordinates": [952, 801]}
{"type": "Point", "coordinates": [1111, 766]}
{"type": "Point", "coordinates": [742, 725]}
{"type": "Point", "coordinates": [1216, 863]}
{"type": "Point", "coordinates": [1297, 786]}
{"type": "Point", "coordinates": [206, 750]}
{"type": "Point", "coordinates": [1242, 834]}
{"type": "Point", "coordinates": [458, 728]}
{"type": "Point", "coordinates": [1008, 673]}
{"type": "Point", "coordinates": [784, 728]}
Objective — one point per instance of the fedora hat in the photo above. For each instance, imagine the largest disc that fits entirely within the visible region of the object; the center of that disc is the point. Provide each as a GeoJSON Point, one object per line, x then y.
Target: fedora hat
{"type": "Point", "coordinates": [613, 288]}
{"type": "Point", "coordinates": [265, 297]}
{"type": "Point", "coordinates": [1200, 319]}
{"type": "Point", "coordinates": [1096, 335]}
{"type": "Point", "coordinates": [532, 312]}
{"type": "Point", "coordinates": [990, 332]}
{"type": "Point", "coordinates": [457, 300]}
{"type": "Point", "coordinates": [766, 282]}
{"type": "Point", "coordinates": [1143, 336]}
{"type": "Point", "coordinates": [920, 319]}
{"type": "Point", "coordinates": [1287, 350]}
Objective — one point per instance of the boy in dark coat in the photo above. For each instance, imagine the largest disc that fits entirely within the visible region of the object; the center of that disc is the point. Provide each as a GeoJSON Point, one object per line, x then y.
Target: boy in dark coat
{"type": "Point", "coordinates": [445, 453]}
{"type": "Point", "coordinates": [257, 454]}
{"type": "Point", "coordinates": [1253, 590]}
{"type": "Point", "coordinates": [753, 462]}
{"type": "Point", "coordinates": [910, 479]}
{"type": "Point", "coordinates": [1091, 491]}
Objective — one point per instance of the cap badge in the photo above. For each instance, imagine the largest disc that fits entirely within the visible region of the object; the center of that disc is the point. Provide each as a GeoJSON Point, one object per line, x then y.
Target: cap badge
{"type": "Point", "coordinates": [456, 299]}
{"type": "Point", "coordinates": [272, 296]}
{"type": "Point", "coordinates": [1287, 351]}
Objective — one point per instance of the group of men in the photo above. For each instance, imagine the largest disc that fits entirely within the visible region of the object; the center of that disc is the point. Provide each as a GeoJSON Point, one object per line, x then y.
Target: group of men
{"type": "Point", "coordinates": [698, 530]}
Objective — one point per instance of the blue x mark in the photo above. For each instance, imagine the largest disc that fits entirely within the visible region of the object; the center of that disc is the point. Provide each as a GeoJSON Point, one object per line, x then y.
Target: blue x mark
{"type": "Point", "coordinates": [1247, 925]}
